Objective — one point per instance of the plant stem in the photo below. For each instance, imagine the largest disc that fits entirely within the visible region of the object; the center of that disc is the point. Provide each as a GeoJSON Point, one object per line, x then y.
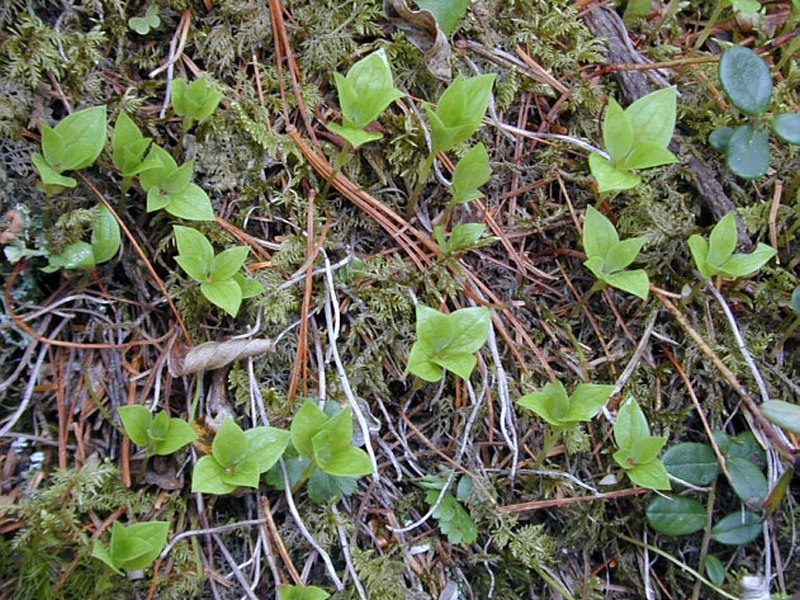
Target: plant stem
{"type": "Point", "coordinates": [709, 25]}
{"type": "Point", "coordinates": [598, 285]}
{"type": "Point", "coordinates": [422, 178]}
{"type": "Point", "coordinates": [339, 161]}
{"type": "Point", "coordinates": [551, 438]}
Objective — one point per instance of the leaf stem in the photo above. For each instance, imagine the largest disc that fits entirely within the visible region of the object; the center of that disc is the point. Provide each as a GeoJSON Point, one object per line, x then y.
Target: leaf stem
{"type": "Point", "coordinates": [422, 178]}
{"type": "Point", "coordinates": [339, 161]}
{"type": "Point", "coordinates": [598, 285]}
{"type": "Point", "coordinates": [551, 438]}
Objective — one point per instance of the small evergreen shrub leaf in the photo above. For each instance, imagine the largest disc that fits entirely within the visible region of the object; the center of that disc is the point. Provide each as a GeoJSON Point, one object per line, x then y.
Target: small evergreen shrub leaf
{"type": "Point", "coordinates": [737, 528]}
{"type": "Point", "coordinates": [783, 414]}
{"type": "Point", "coordinates": [787, 127]}
{"type": "Point", "coordinates": [748, 152]}
{"type": "Point", "coordinates": [105, 235]}
{"type": "Point", "coordinates": [746, 80]}
{"type": "Point", "coordinates": [676, 515]}
{"type": "Point", "coordinates": [471, 172]}
{"type": "Point", "coordinates": [747, 481]}
{"type": "Point", "coordinates": [460, 111]}
{"type": "Point", "coordinates": [447, 12]}
{"type": "Point", "coordinates": [693, 462]}
{"type": "Point", "coordinates": [715, 569]}
{"type": "Point", "coordinates": [720, 138]}
{"type": "Point", "coordinates": [447, 341]}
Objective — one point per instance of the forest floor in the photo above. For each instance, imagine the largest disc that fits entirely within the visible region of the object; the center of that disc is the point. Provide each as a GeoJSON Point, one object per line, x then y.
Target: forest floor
{"type": "Point", "coordinates": [451, 488]}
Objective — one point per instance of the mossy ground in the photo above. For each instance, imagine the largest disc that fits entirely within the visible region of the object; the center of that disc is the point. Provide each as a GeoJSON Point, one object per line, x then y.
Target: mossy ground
{"type": "Point", "coordinates": [59, 57]}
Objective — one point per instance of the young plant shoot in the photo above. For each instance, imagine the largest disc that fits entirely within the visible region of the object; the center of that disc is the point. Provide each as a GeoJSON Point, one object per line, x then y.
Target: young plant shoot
{"type": "Point", "coordinates": [159, 434]}
{"type": "Point", "coordinates": [471, 172]}
{"type": "Point", "coordinates": [716, 255]}
{"type": "Point", "coordinates": [219, 274]}
{"type": "Point", "coordinates": [364, 93]}
{"type": "Point", "coordinates": [104, 244]}
{"type": "Point", "coordinates": [128, 147]}
{"type": "Point", "coordinates": [75, 143]}
{"type": "Point", "coordinates": [448, 341]}
{"type": "Point", "coordinates": [194, 101]}
{"type": "Point", "coordinates": [747, 82]}
{"type": "Point", "coordinates": [563, 411]}
{"type": "Point", "coordinates": [638, 450]}
{"type": "Point", "coordinates": [608, 256]}
{"type": "Point", "coordinates": [170, 187]}
{"type": "Point", "coordinates": [635, 138]}
{"type": "Point", "coordinates": [238, 458]}
{"type": "Point", "coordinates": [134, 547]}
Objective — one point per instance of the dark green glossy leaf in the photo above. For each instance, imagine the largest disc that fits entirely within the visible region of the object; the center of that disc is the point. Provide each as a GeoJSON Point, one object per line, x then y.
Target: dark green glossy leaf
{"type": "Point", "coordinates": [737, 528]}
{"type": "Point", "coordinates": [714, 569]}
{"type": "Point", "coordinates": [720, 137]}
{"type": "Point", "coordinates": [748, 152]}
{"type": "Point", "coordinates": [748, 481]}
{"type": "Point", "coordinates": [676, 515]}
{"type": "Point", "coordinates": [693, 462]}
{"type": "Point", "coordinates": [322, 486]}
{"type": "Point", "coordinates": [783, 414]}
{"type": "Point", "coordinates": [746, 80]}
{"type": "Point", "coordinates": [787, 127]}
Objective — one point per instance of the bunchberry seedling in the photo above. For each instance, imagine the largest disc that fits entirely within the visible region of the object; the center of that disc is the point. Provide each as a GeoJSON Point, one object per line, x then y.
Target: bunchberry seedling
{"type": "Point", "coordinates": [364, 93]}
{"type": "Point", "coordinates": [219, 274]}
{"type": "Point", "coordinates": [327, 441]}
{"type": "Point", "coordinates": [471, 172]}
{"type": "Point", "coordinates": [158, 434]}
{"type": "Point", "coordinates": [128, 147]}
{"type": "Point", "coordinates": [170, 187]}
{"type": "Point", "coordinates": [134, 547]}
{"type": "Point", "coordinates": [608, 256]}
{"type": "Point", "coordinates": [143, 25]}
{"type": "Point", "coordinates": [635, 138]}
{"type": "Point", "coordinates": [465, 236]}
{"type": "Point", "coordinates": [75, 143]}
{"type": "Point", "coordinates": [448, 341]}
{"type": "Point", "coordinates": [563, 411]}
{"type": "Point", "coordinates": [747, 82]}
{"type": "Point", "coordinates": [194, 101]}
{"type": "Point", "coordinates": [456, 117]}
{"type": "Point", "coordinates": [638, 450]}
{"type": "Point", "coordinates": [716, 256]}
{"type": "Point", "coordinates": [238, 458]}
{"type": "Point", "coordinates": [105, 243]}
{"type": "Point", "coordinates": [303, 592]}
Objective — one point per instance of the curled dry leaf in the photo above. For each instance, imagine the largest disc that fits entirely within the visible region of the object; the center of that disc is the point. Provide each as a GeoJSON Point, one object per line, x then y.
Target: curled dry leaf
{"type": "Point", "coordinates": [424, 32]}
{"type": "Point", "coordinates": [213, 355]}
{"type": "Point", "coordinates": [14, 224]}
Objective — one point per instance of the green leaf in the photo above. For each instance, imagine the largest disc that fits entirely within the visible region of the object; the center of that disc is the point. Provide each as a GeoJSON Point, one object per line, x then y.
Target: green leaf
{"type": "Point", "coordinates": [322, 486]}
{"type": "Point", "coordinates": [78, 255]}
{"type": "Point", "coordinates": [347, 462]}
{"type": "Point", "coordinates": [191, 203]}
{"type": "Point", "coordinates": [463, 237]}
{"type": "Point", "coordinates": [787, 127]}
{"type": "Point", "coordinates": [746, 6]}
{"type": "Point", "coordinates": [470, 328]}
{"type": "Point", "coordinates": [105, 235]}
{"type": "Point", "coordinates": [154, 535]}
{"type": "Point", "coordinates": [621, 254]}
{"type": "Point", "coordinates": [454, 521]}
{"type": "Point", "coordinates": [646, 155]}
{"type": "Point", "coordinates": [250, 286]}
{"type": "Point", "coordinates": [228, 262]}
{"type": "Point", "coordinates": [356, 137]}
{"type": "Point", "coordinates": [303, 592]}
{"type": "Point", "coordinates": [652, 475]}
{"type": "Point", "coordinates": [698, 246]}
{"type": "Point", "coordinates": [736, 529]}
{"type": "Point", "coordinates": [676, 515]}
{"type": "Point", "coordinates": [208, 477]}
{"type": "Point", "coordinates": [367, 90]}
{"type": "Point", "coordinates": [634, 282]}
{"type": "Point", "coordinates": [244, 474]}
{"type": "Point", "coordinates": [195, 252]}
{"type": "Point", "coordinates": [178, 179]}
{"type": "Point", "coordinates": [610, 179]}
{"type": "Point", "coordinates": [599, 233]}
{"type": "Point", "coordinates": [748, 152]}
{"type": "Point", "coordinates": [652, 118]}
{"type": "Point", "coordinates": [139, 25]}
{"type": "Point", "coordinates": [229, 447]}
{"type": "Point", "coordinates": [306, 423]}
{"type": "Point", "coordinates": [740, 265]}
{"type": "Point", "coordinates": [196, 100]}
{"type": "Point", "coordinates": [460, 110]}
{"type": "Point", "coordinates": [136, 420]}
{"type": "Point", "coordinates": [796, 300]}
{"type": "Point", "coordinates": [460, 363]}
{"type": "Point", "coordinates": [161, 164]}
{"type": "Point", "coordinates": [180, 434]}
{"type": "Point", "coordinates": [587, 401]}
{"type": "Point", "coordinates": [124, 546]}
{"type": "Point", "coordinates": [447, 12]}
{"type": "Point", "coordinates": [422, 365]}
{"type": "Point", "coordinates": [159, 427]}
{"type": "Point", "coordinates": [693, 462]}
{"type": "Point", "coordinates": [746, 80]}
{"type": "Point", "coordinates": [227, 295]}
{"type": "Point", "coordinates": [722, 241]}
{"type": "Point", "coordinates": [128, 146]}
{"type": "Point", "coordinates": [100, 552]}
{"type": "Point", "coordinates": [83, 134]}
{"type": "Point", "coordinates": [48, 175]}
{"type": "Point", "coordinates": [715, 569]}
{"type": "Point", "coordinates": [471, 172]}
{"type": "Point", "coordinates": [617, 131]}
{"type": "Point", "coordinates": [783, 414]}
{"type": "Point", "coordinates": [551, 403]}
{"type": "Point", "coordinates": [265, 445]}
{"type": "Point", "coordinates": [646, 449]}
{"type": "Point", "coordinates": [631, 424]}
{"type": "Point", "coordinates": [748, 481]}
{"type": "Point", "coordinates": [720, 138]}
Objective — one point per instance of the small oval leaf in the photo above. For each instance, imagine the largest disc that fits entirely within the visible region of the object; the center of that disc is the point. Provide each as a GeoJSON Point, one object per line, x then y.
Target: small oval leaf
{"type": "Point", "coordinates": [676, 515]}
{"type": "Point", "coordinates": [746, 80]}
{"type": "Point", "coordinates": [692, 462]}
{"type": "Point", "coordinates": [783, 414]}
{"type": "Point", "coordinates": [748, 152]}
{"type": "Point", "coordinates": [736, 529]}
{"type": "Point", "coordinates": [787, 127]}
